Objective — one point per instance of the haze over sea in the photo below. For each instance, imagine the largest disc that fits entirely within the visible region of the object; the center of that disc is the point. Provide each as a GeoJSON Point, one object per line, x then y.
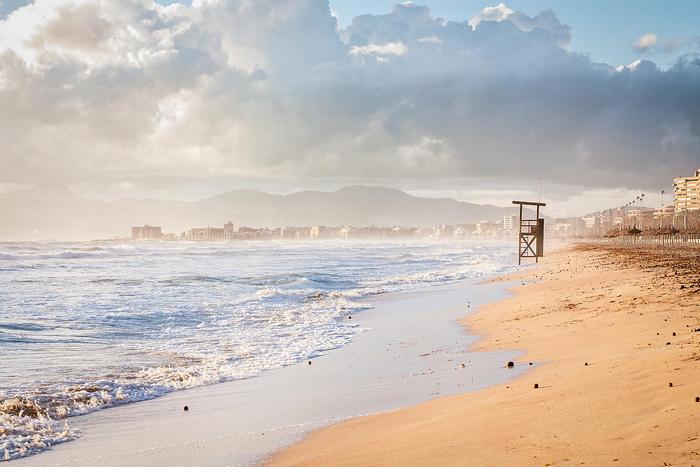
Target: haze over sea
{"type": "Point", "coordinates": [98, 324]}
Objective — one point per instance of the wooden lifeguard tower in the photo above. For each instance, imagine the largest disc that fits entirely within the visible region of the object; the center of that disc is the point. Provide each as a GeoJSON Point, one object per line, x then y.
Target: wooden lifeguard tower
{"type": "Point", "coordinates": [531, 231]}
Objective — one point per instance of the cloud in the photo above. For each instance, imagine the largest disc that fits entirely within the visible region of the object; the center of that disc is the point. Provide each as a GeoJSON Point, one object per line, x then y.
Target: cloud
{"type": "Point", "coordinates": [631, 66]}
{"type": "Point", "coordinates": [390, 48]}
{"type": "Point", "coordinates": [132, 91]}
{"type": "Point", "coordinates": [430, 40]}
{"type": "Point", "coordinates": [544, 21]}
{"type": "Point", "coordinates": [651, 43]}
{"type": "Point", "coordinates": [497, 13]}
{"type": "Point", "coordinates": [646, 42]}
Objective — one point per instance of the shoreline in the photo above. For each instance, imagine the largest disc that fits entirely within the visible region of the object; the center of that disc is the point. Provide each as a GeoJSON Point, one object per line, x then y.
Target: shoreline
{"type": "Point", "coordinates": [413, 353]}
{"type": "Point", "coordinates": [610, 389]}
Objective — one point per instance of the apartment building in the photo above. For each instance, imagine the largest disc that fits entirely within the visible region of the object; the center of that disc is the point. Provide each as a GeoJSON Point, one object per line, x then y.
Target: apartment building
{"type": "Point", "coordinates": [146, 232]}
{"type": "Point", "coordinates": [687, 193]}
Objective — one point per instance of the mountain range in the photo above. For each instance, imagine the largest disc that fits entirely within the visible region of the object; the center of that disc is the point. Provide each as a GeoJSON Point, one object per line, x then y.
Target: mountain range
{"type": "Point", "coordinates": [53, 211]}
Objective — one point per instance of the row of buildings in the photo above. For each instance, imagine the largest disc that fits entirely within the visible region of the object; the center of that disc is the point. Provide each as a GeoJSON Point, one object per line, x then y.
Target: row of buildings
{"type": "Point", "coordinates": [683, 213]}
{"type": "Point", "coordinates": [483, 229]}
{"type": "Point", "coordinates": [507, 228]}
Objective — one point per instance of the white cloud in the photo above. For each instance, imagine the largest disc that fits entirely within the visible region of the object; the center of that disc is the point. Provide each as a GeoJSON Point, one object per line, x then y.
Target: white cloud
{"type": "Point", "coordinates": [632, 66]}
{"type": "Point", "coordinates": [430, 40]}
{"type": "Point", "coordinates": [390, 48]}
{"type": "Point", "coordinates": [646, 42]}
{"type": "Point", "coordinates": [496, 13]}
{"type": "Point", "coordinates": [545, 21]}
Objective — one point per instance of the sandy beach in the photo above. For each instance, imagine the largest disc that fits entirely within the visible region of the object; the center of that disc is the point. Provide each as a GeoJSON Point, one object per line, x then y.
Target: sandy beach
{"type": "Point", "coordinates": [615, 337]}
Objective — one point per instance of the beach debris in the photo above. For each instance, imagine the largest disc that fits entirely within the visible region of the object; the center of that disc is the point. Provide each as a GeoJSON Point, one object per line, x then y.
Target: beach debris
{"type": "Point", "coordinates": [674, 333]}
{"type": "Point", "coordinates": [537, 386]}
{"type": "Point", "coordinates": [668, 343]}
{"type": "Point", "coordinates": [530, 363]}
{"type": "Point", "coordinates": [186, 408]}
{"type": "Point", "coordinates": [510, 364]}
{"type": "Point", "coordinates": [349, 317]}
{"type": "Point", "coordinates": [462, 364]}
{"type": "Point", "coordinates": [670, 385]}
{"type": "Point", "coordinates": [585, 364]}
{"type": "Point", "coordinates": [309, 362]}
{"type": "Point", "coordinates": [697, 399]}
{"type": "Point", "coordinates": [22, 407]}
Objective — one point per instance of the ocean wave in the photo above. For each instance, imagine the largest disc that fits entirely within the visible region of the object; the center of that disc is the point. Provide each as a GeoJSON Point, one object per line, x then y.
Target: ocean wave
{"type": "Point", "coordinates": [25, 429]}
{"type": "Point", "coordinates": [71, 254]}
{"type": "Point", "coordinates": [33, 253]}
{"type": "Point", "coordinates": [187, 279]}
{"type": "Point", "coordinates": [30, 327]}
{"type": "Point", "coordinates": [157, 318]}
{"type": "Point", "coordinates": [48, 407]}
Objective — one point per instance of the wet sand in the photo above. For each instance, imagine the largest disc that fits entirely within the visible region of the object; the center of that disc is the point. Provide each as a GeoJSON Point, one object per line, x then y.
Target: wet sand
{"type": "Point", "coordinates": [615, 337]}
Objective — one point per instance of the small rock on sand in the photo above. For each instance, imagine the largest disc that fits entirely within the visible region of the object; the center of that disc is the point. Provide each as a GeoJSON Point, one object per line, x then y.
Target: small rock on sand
{"type": "Point", "coordinates": [186, 408]}
{"type": "Point", "coordinates": [537, 385]}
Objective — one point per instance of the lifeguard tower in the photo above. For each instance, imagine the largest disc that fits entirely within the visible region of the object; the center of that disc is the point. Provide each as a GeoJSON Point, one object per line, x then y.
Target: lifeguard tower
{"type": "Point", "coordinates": [531, 233]}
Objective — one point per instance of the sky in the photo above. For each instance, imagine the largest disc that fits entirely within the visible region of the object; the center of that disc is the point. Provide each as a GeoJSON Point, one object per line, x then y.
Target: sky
{"type": "Point", "coordinates": [586, 104]}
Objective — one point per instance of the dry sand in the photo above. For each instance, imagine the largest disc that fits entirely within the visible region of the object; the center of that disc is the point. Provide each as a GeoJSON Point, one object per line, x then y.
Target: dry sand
{"type": "Point", "coordinates": [599, 325]}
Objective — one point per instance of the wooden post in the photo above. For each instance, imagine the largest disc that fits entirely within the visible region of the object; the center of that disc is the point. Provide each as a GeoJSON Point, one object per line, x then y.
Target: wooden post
{"type": "Point", "coordinates": [520, 235]}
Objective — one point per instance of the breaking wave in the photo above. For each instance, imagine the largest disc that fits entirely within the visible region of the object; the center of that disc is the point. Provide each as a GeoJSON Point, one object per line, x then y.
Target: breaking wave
{"type": "Point", "coordinates": [156, 318]}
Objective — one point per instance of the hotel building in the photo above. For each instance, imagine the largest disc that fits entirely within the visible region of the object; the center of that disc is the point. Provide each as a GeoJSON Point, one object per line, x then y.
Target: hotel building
{"type": "Point", "coordinates": [687, 193]}
{"type": "Point", "coordinates": [147, 232]}
{"type": "Point", "coordinates": [205, 233]}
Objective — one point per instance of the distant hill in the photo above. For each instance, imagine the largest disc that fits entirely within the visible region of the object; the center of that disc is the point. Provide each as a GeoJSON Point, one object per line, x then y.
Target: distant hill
{"type": "Point", "coordinates": [55, 212]}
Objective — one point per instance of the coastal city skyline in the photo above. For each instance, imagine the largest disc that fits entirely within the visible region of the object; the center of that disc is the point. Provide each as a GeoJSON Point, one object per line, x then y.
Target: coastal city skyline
{"type": "Point", "coordinates": [319, 215]}
{"type": "Point", "coordinates": [682, 212]}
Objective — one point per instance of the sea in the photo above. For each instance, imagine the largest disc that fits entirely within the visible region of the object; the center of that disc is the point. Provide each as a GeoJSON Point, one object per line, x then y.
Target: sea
{"type": "Point", "coordinates": [93, 325]}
